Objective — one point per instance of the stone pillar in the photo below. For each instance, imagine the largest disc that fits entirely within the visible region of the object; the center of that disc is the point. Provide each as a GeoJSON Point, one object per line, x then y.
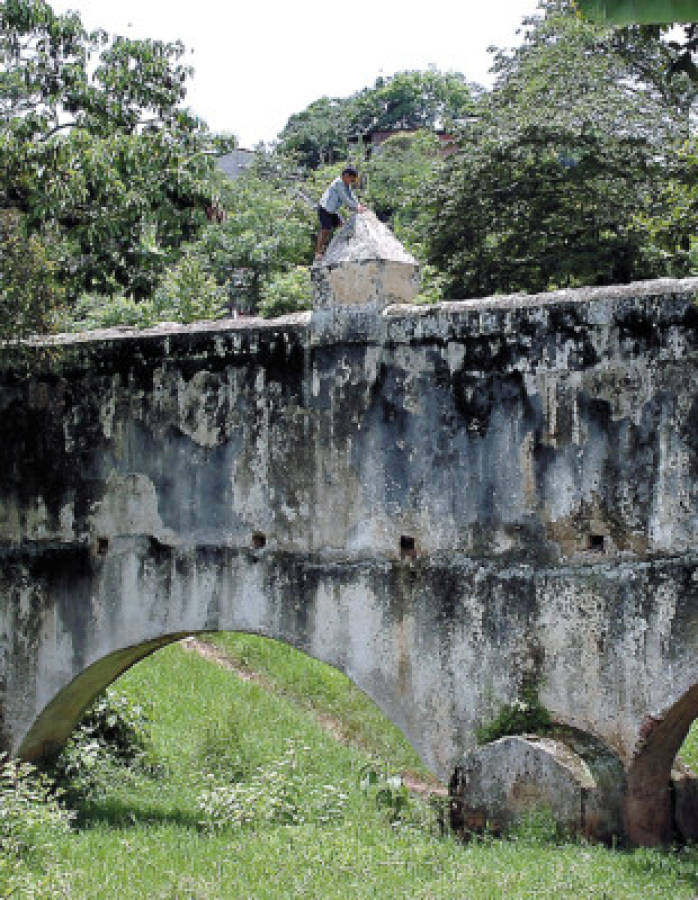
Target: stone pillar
{"type": "Point", "coordinates": [364, 266]}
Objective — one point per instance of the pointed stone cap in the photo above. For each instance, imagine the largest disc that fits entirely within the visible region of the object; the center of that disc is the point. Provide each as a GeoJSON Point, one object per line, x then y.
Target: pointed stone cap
{"type": "Point", "coordinates": [365, 264]}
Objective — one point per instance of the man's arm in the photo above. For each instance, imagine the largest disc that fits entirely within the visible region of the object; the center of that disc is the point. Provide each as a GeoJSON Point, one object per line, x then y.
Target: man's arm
{"type": "Point", "coordinates": [351, 200]}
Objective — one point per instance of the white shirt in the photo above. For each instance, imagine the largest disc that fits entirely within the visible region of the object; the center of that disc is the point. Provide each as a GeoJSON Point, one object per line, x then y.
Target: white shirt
{"type": "Point", "coordinates": [338, 194]}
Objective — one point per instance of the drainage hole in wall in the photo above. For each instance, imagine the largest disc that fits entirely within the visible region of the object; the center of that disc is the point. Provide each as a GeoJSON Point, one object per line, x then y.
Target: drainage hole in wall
{"type": "Point", "coordinates": [102, 546]}
{"type": "Point", "coordinates": [597, 542]}
{"type": "Point", "coordinates": [259, 540]}
{"type": "Point", "coordinates": [407, 547]}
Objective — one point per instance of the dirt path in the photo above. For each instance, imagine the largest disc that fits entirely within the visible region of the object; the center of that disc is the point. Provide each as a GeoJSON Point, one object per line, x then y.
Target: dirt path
{"type": "Point", "coordinates": [333, 726]}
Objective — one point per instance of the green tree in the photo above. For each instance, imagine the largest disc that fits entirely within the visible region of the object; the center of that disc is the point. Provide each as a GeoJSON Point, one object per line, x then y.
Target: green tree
{"type": "Point", "coordinates": [93, 138]}
{"type": "Point", "coordinates": [629, 12]}
{"type": "Point", "coordinates": [568, 155]}
{"type": "Point", "coordinates": [330, 129]}
{"type": "Point", "coordinates": [268, 230]}
{"type": "Point", "coordinates": [412, 100]}
{"type": "Point", "coordinates": [401, 178]}
{"type": "Point", "coordinates": [29, 293]}
{"type": "Point", "coordinates": [570, 73]}
{"type": "Point", "coordinates": [541, 209]}
{"type": "Point", "coordinates": [649, 23]}
{"type": "Point", "coordinates": [319, 134]}
{"type": "Point", "coordinates": [672, 228]}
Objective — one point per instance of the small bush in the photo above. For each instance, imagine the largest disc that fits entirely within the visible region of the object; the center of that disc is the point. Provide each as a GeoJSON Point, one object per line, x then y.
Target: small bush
{"type": "Point", "coordinates": [432, 286]}
{"type": "Point", "coordinates": [31, 816]}
{"type": "Point", "coordinates": [387, 790]}
{"type": "Point", "coordinates": [524, 716]}
{"type": "Point", "coordinates": [287, 292]}
{"type": "Point", "coordinates": [188, 292]}
{"type": "Point", "coordinates": [112, 732]}
{"type": "Point", "coordinates": [282, 793]}
{"type": "Point", "coordinates": [98, 311]}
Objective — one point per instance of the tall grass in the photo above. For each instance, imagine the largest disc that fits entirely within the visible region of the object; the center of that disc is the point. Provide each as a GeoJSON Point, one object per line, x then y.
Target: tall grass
{"type": "Point", "coordinates": [148, 836]}
{"type": "Point", "coordinates": [322, 690]}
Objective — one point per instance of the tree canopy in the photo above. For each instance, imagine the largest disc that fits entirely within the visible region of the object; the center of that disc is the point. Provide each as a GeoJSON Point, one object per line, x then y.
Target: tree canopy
{"type": "Point", "coordinates": [325, 131]}
{"type": "Point", "coordinates": [568, 162]}
{"type": "Point", "coordinates": [95, 141]}
{"type": "Point", "coordinates": [578, 167]}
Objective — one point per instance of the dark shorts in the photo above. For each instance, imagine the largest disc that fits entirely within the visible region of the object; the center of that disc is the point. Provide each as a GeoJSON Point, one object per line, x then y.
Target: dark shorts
{"type": "Point", "coordinates": [328, 220]}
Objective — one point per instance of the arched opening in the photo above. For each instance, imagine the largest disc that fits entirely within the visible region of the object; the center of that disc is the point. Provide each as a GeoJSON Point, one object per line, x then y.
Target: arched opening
{"type": "Point", "coordinates": [651, 798]}
{"type": "Point", "coordinates": [275, 664]}
{"type": "Point", "coordinates": [224, 708]}
{"type": "Point", "coordinates": [684, 787]}
{"type": "Point", "coordinates": [57, 720]}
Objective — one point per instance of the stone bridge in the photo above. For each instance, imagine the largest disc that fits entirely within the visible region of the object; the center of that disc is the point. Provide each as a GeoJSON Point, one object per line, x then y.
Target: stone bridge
{"type": "Point", "coordinates": [459, 506]}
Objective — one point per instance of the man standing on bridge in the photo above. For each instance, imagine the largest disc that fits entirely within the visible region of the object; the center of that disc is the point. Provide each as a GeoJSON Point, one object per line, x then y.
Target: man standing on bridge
{"type": "Point", "coordinates": [338, 194]}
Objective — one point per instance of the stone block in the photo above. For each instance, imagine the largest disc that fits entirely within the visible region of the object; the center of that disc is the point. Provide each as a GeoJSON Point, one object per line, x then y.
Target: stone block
{"type": "Point", "coordinates": [364, 264]}
{"type": "Point", "coordinates": [499, 784]}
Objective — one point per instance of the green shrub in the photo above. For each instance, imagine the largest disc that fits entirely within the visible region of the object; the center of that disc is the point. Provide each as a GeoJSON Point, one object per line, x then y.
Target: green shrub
{"type": "Point", "coordinates": [188, 292]}
{"type": "Point", "coordinates": [31, 816]}
{"type": "Point", "coordinates": [286, 292]}
{"type": "Point", "coordinates": [98, 311]}
{"type": "Point", "coordinates": [30, 295]}
{"type": "Point", "coordinates": [281, 793]}
{"type": "Point", "coordinates": [387, 790]}
{"type": "Point", "coordinates": [432, 285]}
{"type": "Point", "coordinates": [525, 715]}
{"type": "Point", "coordinates": [113, 732]}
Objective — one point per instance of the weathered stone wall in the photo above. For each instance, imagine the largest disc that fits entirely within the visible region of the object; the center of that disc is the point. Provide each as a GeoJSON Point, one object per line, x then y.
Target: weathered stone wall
{"type": "Point", "coordinates": [445, 502]}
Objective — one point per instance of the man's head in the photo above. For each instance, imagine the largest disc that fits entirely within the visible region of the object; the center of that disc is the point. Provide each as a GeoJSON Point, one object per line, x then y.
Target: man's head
{"type": "Point", "coordinates": [350, 175]}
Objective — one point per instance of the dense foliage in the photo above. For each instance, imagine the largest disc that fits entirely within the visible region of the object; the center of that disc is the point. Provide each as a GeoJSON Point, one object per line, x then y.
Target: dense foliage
{"type": "Point", "coordinates": [111, 740]}
{"type": "Point", "coordinates": [33, 821]}
{"type": "Point", "coordinates": [29, 291]}
{"type": "Point", "coordinates": [622, 12]}
{"type": "Point", "coordinates": [526, 715]}
{"type": "Point", "coordinates": [578, 167]}
{"type": "Point", "coordinates": [329, 129]}
{"type": "Point", "coordinates": [573, 155]}
{"type": "Point", "coordinates": [94, 143]}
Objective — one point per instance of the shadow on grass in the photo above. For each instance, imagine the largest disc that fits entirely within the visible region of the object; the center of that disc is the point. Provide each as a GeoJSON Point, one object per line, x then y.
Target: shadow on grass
{"type": "Point", "coordinates": [122, 814]}
{"type": "Point", "coordinates": [652, 862]}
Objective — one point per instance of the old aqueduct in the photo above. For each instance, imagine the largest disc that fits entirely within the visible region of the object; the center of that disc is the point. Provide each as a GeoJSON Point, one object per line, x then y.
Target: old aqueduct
{"type": "Point", "coordinates": [457, 505]}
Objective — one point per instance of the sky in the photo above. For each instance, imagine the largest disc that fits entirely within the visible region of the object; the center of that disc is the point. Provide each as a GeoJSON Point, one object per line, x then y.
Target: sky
{"type": "Point", "coordinates": [256, 62]}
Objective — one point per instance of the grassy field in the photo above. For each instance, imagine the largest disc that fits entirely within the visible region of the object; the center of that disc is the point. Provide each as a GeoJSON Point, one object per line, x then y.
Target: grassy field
{"type": "Point", "coordinates": [309, 827]}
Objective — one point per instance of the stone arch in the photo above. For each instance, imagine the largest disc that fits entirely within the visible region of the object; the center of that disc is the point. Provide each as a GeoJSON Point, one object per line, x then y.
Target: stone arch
{"type": "Point", "coordinates": [55, 723]}
{"type": "Point", "coordinates": [649, 816]}
{"type": "Point", "coordinates": [72, 627]}
{"type": "Point", "coordinates": [57, 720]}
{"type": "Point", "coordinates": [69, 629]}
{"type": "Point", "coordinates": [56, 714]}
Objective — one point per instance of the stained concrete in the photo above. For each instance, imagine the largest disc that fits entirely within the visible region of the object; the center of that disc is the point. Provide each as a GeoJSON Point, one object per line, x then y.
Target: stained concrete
{"type": "Point", "coordinates": [444, 502]}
